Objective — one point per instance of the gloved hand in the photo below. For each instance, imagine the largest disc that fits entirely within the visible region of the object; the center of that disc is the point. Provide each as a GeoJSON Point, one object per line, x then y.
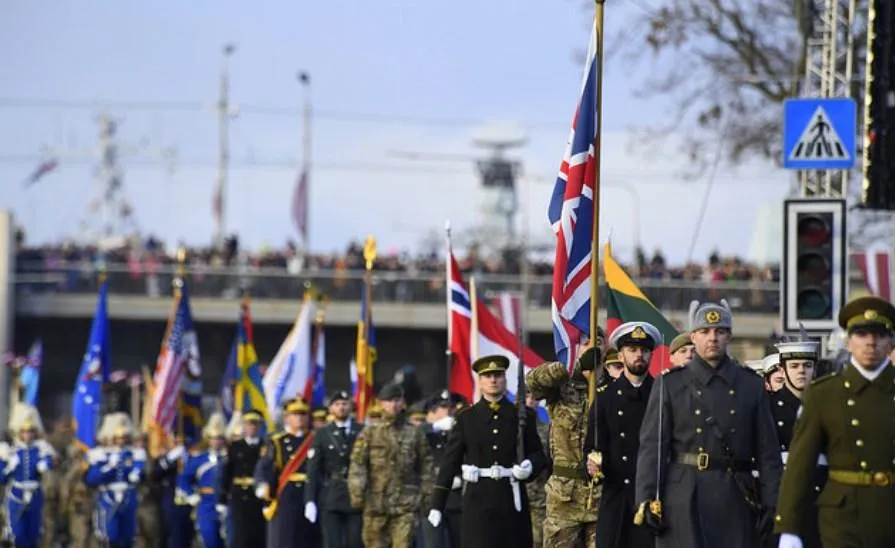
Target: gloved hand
{"type": "Point", "coordinates": [789, 540]}
{"type": "Point", "coordinates": [12, 463]}
{"type": "Point", "coordinates": [261, 491]}
{"type": "Point", "coordinates": [311, 512]}
{"type": "Point", "coordinates": [221, 509]}
{"type": "Point", "coordinates": [766, 522]}
{"type": "Point", "coordinates": [42, 466]}
{"type": "Point", "coordinates": [646, 517]}
{"type": "Point", "coordinates": [522, 471]}
{"type": "Point", "coordinates": [457, 483]}
{"type": "Point", "coordinates": [175, 454]}
{"type": "Point", "coordinates": [114, 459]}
{"type": "Point", "coordinates": [434, 518]}
{"type": "Point", "coordinates": [134, 476]}
{"type": "Point", "coordinates": [470, 473]}
{"type": "Point", "coordinates": [193, 500]}
{"type": "Point", "coordinates": [443, 424]}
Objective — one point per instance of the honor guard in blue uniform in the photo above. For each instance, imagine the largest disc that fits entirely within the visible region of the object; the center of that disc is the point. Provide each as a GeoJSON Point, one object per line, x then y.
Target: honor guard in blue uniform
{"type": "Point", "coordinates": [276, 467]}
{"type": "Point", "coordinates": [249, 529]}
{"type": "Point", "coordinates": [178, 523]}
{"type": "Point", "coordinates": [199, 484]}
{"type": "Point", "coordinates": [327, 489]}
{"type": "Point", "coordinates": [115, 472]}
{"type": "Point", "coordinates": [23, 465]}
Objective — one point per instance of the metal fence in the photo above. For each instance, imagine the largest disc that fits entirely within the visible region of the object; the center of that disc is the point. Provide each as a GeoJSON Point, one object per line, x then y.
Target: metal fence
{"type": "Point", "coordinates": [399, 287]}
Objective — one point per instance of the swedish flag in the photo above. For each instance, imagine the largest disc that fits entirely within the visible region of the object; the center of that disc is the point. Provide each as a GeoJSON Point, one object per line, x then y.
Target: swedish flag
{"type": "Point", "coordinates": [248, 393]}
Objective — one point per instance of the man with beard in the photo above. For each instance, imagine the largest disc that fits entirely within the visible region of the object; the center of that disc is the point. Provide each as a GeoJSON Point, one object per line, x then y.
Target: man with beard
{"type": "Point", "coordinates": [707, 425]}
{"type": "Point", "coordinates": [848, 417]}
{"type": "Point", "coordinates": [797, 360]}
{"type": "Point", "coordinates": [613, 431]}
{"type": "Point", "coordinates": [482, 447]}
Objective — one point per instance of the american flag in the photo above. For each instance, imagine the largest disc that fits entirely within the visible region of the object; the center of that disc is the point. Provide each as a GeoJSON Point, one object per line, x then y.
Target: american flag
{"type": "Point", "coordinates": [571, 213]}
{"type": "Point", "coordinates": [169, 369]}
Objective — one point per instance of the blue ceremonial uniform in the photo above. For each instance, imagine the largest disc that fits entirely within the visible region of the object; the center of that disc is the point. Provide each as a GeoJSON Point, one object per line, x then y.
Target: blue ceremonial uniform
{"type": "Point", "coordinates": [177, 521]}
{"type": "Point", "coordinates": [24, 496]}
{"type": "Point", "coordinates": [115, 473]}
{"type": "Point", "coordinates": [199, 484]}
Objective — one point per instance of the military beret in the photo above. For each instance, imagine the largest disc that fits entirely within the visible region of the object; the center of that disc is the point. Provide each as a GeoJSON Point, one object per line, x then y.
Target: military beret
{"type": "Point", "coordinates": [253, 415]}
{"type": "Point", "coordinates": [418, 409]}
{"type": "Point", "coordinates": [491, 364]}
{"type": "Point", "coordinates": [391, 391]}
{"type": "Point", "coordinates": [708, 315]}
{"type": "Point", "coordinates": [589, 359]}
{"type": "Point", "coordinates": [297, 405]}
{"type": "Point", "coordinates": [641, 334]}
{"type": "Point", "coordinates": [870, 313]}
{"type": "Point", "coordinates": [339, 395]}
{"type": "Point", "coordinates": [679, 342]}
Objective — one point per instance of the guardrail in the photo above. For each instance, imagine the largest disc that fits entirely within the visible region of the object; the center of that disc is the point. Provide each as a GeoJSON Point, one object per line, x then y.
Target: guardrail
{"type": "Point", "coordinates": [402, 287]}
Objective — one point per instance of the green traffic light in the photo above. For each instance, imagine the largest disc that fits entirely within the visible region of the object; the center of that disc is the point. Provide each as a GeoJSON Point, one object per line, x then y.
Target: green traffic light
{"type": "Point", "coordinates": [813, 304]}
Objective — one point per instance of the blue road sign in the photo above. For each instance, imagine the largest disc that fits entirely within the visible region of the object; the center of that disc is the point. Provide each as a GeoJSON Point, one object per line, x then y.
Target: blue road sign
{"type": "Point", "coordinates": [819, 133]}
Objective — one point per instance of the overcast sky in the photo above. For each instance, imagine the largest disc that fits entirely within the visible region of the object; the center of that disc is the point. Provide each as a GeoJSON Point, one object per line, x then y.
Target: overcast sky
{"type": "Point", "coordinates": [430, 72]}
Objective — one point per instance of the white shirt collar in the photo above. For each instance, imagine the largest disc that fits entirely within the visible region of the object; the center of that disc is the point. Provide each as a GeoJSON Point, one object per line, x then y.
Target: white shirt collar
{"type": "Point", "coordinates": [871, 375]}
{"type": "Point", "coordinates": [343, 425]}
{"type": "Point", "coordinates": [252, 441]}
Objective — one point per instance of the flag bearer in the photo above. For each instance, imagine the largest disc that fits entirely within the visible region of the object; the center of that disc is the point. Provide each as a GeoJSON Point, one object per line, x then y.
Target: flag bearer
{"type": "Point", "coordinates": [238, 486]}
{"type": "Point", "coordinates": [115, 472]}
{"type": "Point", "coordinates": [23, 465]}
{"type": "Point", "coordinates": [200, 481]}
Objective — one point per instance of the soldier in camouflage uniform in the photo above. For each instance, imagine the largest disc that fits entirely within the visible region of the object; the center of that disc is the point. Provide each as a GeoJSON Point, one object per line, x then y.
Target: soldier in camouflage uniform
{"type": "Point", "coordinates": [537, 497]}
{"type": "Point", "coordinates": [149, 507]}
{"type": "Point", "coordinates": [51, 481]}
{"type": "Point", "coordinates": [572, 499]}
{"type": "Point", "coordinates": [390, 462]}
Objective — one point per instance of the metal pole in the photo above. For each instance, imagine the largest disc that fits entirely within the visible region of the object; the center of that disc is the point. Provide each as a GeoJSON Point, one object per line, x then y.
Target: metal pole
{"type": "Point", "coordinates": [223, 148]}
{"type": "Point", "coordinates": [305, 80]}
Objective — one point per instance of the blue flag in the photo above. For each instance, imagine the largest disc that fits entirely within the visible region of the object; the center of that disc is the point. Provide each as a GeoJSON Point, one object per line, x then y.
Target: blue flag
{"type": "Point", "coordinates": [191, 388]}
{"type": "Point", "coordinates": [228, 382]}
{"type": "Point", "coordinates": [94, 373]}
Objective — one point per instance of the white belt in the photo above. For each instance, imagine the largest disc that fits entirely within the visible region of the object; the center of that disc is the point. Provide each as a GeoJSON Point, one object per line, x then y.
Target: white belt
{"type": "Point", "coordinates": [26, 485]}
{"type": "Point", "coordinates": [821, 459]}
{"type": "Point", "coordinates": [118, 486]}
{"type": "Point", "coordinates": [499, 472]}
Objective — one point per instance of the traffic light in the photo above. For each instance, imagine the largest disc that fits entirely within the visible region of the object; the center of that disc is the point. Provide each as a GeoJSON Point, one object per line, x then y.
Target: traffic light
{"type": "Point", "coordinates": [814, 270]}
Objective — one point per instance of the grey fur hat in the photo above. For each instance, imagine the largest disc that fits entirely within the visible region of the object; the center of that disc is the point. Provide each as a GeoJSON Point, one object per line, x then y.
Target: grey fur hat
{"type": "Point", "coordinates": [706, 315]}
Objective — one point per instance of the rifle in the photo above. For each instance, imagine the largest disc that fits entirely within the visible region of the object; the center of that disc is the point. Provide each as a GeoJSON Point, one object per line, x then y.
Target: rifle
{"type": "Point", "coordinates": [521, 407]}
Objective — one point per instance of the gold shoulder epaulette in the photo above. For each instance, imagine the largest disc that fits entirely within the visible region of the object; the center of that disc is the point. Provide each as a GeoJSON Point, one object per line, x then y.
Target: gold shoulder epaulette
{"type": "Point", "coordinates": [825, 378]}
{"type": "Point", "coordinates": [673, 369]}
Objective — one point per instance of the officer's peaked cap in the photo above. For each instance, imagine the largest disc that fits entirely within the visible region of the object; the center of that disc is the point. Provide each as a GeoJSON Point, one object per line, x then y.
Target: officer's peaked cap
{"type": "Point", "coordinates": [870, 313]}
{"type": "Point", "coordinates": [641, 334]}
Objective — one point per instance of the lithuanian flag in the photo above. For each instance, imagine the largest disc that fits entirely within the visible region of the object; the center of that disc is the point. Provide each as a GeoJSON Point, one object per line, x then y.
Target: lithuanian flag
{"type": "Point", "coordinates": [625, 302]}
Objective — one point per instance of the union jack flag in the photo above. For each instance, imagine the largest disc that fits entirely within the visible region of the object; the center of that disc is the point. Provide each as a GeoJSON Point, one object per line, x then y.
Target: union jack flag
{"type": "Point", "coordinates": [571, 214]}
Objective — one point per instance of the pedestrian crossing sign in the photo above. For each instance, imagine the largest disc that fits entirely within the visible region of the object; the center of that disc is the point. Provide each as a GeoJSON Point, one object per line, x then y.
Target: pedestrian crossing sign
{"type": "Point", "coordinates": [819, 133]}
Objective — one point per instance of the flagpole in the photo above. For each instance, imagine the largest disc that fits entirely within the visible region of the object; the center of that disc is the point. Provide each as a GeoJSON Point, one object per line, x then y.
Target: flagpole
{"type": "Point", "coordinates": [448, 355]}
{"type": "Point", "coordinates": [595, 241]}
{"type": "Point", "coordinates": [474, 330]}
{"type": "Point", "coordinates": [364, 355]}
{"type": "Point", "coordinates": [178, 292]}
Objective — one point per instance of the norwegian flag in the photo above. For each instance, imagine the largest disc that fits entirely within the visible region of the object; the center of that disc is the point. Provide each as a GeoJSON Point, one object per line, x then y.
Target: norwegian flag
{"type": "Point", "coordinates": [508, 309]}
{"type": "Point", "coordinates": [571, 213]}
{"type": "Point", "coordinates": [492, 338]}
{"type": "Point", "coordinates": [876, 268]}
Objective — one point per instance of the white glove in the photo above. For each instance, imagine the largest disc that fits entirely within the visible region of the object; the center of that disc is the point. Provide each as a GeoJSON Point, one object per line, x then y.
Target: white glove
{"type": "Point", "coordinates": [311, 512]}
{"type": "Point", "coordinates": [114, 459]}
{"type": "Point", "coordinates": [522, 471]}
{"type": "Point", "coordinates": [443, 424]}
{"type": "Point", "coordinates": [470, 473]}
{"type": "Point", "coordinates": [42, 466]}
{"type": "Point", "coordinates": [457, 483]}
{"type": "Point", "coordinates": [193, 500]}
{"type": "Point", "coordinates": [174, 454]}
{"type": "Point", "coordinates": [12, 463]}
{"type": "Point", "coordinates": [434, 518]}
{"type": "Point", "coordinates": [134, 476]}
{"type": "Point", "coordinates": [221, 509]}
{"type": "Point", "coordinates": [789, 540]}
{"type": "Point", "coordinates": [261, 491]}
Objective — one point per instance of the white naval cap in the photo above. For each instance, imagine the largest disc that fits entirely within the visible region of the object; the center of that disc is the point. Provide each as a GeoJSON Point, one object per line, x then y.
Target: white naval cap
{"type": "Point", "coordinates": [636, 334]}
{"type": "Point", "coordinates": [798, 350]}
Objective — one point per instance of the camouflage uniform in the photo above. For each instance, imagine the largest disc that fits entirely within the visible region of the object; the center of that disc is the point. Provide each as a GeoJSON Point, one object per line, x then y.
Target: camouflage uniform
{"type": "Point", "coordinates": [572, 502]}
{"type": "Point", "coordinates": [51, 481]}
{"type": "Point", "coordinates": [537, 498]}
{"type": "Point", "coordinates": [77, 505]}
{"type": "Point", "coordinates": [149, 518]}
{"type": "Point", "coordinates": [390, 462]}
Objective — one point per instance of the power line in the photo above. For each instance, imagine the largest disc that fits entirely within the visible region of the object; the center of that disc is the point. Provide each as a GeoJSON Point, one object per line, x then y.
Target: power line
{"type": "Point", "coordinates": [265, 110]}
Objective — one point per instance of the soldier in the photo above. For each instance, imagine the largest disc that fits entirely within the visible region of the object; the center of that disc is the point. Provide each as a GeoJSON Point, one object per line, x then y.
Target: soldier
{"type": "Point", "coordinates": [483, 448]}
{"type": "Point", "coordinates": [328, 462]}
{"type": "Point", "coordinates": [773, 373]}
{"type": "Point", "coordinates": [537, 496]}
{"type": "Point", "coordinates": [115, 472]}
{"type": "Point", "coordinates": [374, 414]}
{"type": "Point", "coordinates": [24, 464]}
{"type": "Point", "coordinates": [680, 350]}
{"type": "Point", "coordinates": [234, 427]}
{"type": "Point", "coordinates": [417, 413]}
{"type": "Point", "coordinates": [178, 523]}
{"type": "Point", "coordinates": [390, 468]}
{"type": "Point", "coordinates": [281, 475]}
{"type": "Point", "coordinates": [571, 497]}
{"type": "Point", "coordinates": [149, 522]}
{"type": "Point", "coordinates": [613, 366]}
{"type": "Point", "coordinates": [716, 427]}
{"type": "Point", "coordinates": [198, 484]}
{"type": "Point", "coordinates": [318, 419]}
{"type": "Point", "coordinates": [77, 499]}
{"type": "Point", "coordinates": [613, 431]}
{"type": "Point", "coordinates": [438, 425]}
{"type": "Point", "coordinates": [237, 485]}
{"type": "Point", "coordinates": [848, 417]}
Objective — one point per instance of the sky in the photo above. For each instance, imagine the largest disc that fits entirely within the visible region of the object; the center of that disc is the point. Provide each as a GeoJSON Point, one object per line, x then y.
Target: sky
{"type": "Point", "coordinates": [386, 77]}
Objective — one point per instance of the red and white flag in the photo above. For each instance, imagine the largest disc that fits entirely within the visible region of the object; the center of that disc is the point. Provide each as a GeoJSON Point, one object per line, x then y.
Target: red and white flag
{"type": "Point", "coordinates": [508, 309]}
{"type": "Point", "coordinates": [876, 267]}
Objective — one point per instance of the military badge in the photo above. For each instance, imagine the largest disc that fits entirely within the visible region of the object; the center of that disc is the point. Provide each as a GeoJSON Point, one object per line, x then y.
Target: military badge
{"type": "Point", "coordinates": [638, 333]}
{"type": "Point", "coordinates": [712, 316]}
{"type": "Point", "coordinates": [871, 314]}
{"type": "Point", "coordinates": [310, 453]}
